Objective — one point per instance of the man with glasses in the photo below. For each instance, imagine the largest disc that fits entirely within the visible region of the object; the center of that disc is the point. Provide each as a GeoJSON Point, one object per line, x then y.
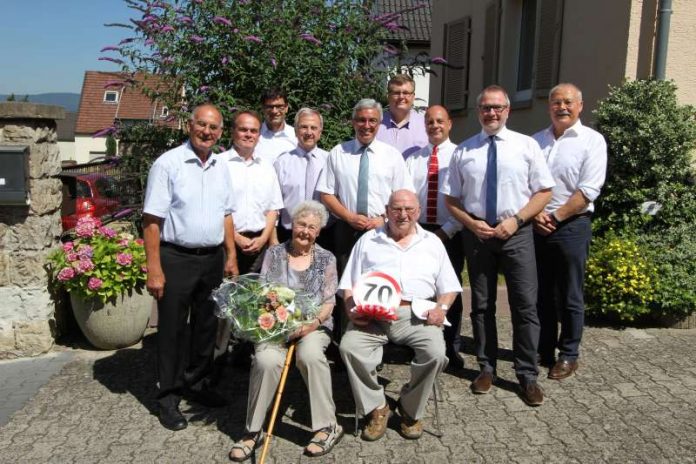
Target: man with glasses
{"type": "Point", "coordinates": [402, 127]}
{"type": "Point", "coordinates": [577, 158]}
{"type": "Point", "coordinates": [418, 261]}
{"type": "Point", "coordinates": [497, 182]}
{"type": "Point", "coordinates": [277, 136]}
{"type": "Point", "coordinates": [187, 220]}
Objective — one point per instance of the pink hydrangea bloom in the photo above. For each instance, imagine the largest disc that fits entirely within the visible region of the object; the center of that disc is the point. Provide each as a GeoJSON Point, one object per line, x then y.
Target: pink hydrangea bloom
{"type": "Point", "coordinates": [143, 268]}
{"type": "Point", "coordinates": [93, 283]}
{"type": "Point", "coordinates": [66, 273]}
{"type": "Point", "coordinates": [85, 251]}
{"type": "Point", "coordinates": [67, 246]}
{"type": "Point", "coordinates": [139, 241]}
{"type": "Point", "coordinates": [72, 256]}
{"type": "Point", "coordinates": [83, 265]}
{"type": "Point", "coordinates": [107, 232]}
{"type": "Point", "coordinates": [124, 259]}
{"type": "Point", "coordinates": [124, 242]}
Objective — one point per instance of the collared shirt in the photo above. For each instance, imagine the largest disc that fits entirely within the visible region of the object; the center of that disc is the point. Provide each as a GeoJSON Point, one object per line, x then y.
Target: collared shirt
{"type": "Point", "coordinates": [407, 138]}
{"type": "Point", "coordinates": [192, 197]}
{"type": "Point", "coordinates": [387, 174]}
{"type": "Point", "coordinates": [522, 172]}
{"type": "Point", "coordinates": [272, 144]}
{"type": "Point", "coordinates": [422, 269]}
{"type": "Point", "coordinates": [255, 191]}
{"type": "Point", "coordinates": [417, 165]}
{"type": "Point", "coordinates": [291, 168]}
{"type": "Point", "coordinates": [577, 160]}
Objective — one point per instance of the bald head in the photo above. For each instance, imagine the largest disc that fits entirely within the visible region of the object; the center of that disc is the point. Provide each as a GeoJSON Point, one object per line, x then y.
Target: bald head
{"type": "Point", "coordinates": [438, 124]}
{"type": "Point", "coordinates": [402, 211]}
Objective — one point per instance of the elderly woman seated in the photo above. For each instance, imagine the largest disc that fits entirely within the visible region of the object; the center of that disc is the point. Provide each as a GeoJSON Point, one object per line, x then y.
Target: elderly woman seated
{"type": "Point", "coordinates": [300, 264]}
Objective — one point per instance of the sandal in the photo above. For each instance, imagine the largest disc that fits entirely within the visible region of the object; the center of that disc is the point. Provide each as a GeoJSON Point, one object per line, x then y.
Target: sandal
{"type": "Point", "coordinates": [246, 450]}
{"type": "Point", "coordinates": [333, 433]}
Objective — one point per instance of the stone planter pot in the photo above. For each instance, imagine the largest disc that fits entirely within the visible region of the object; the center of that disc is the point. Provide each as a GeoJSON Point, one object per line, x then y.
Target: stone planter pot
{"type": "Point", "coordinates": [116, 324]}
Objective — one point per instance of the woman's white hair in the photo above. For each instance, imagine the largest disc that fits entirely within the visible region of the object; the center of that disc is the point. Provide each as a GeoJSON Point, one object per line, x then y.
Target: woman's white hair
{"type": "Point", "coordinates": [312, 207]}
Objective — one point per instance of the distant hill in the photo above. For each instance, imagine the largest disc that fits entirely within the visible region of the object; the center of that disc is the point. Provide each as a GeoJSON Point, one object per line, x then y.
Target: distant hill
{"type": "Point", "coordinates": [70, 101]}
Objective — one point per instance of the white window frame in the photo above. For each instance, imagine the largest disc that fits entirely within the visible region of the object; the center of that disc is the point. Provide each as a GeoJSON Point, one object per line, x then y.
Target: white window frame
{"type": "Point", "coordinates": [111, 92]}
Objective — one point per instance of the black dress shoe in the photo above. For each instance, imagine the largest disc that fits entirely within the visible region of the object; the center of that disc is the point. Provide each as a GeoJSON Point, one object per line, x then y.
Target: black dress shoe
{"type": "Point", "coordinates": [208, 398]}
{"type": "Point", "coordinates": [531, 393]}
{"type": "Point", "coordinates": [456, 360]}
{"type": "Point", "coordinates": [171, 418]}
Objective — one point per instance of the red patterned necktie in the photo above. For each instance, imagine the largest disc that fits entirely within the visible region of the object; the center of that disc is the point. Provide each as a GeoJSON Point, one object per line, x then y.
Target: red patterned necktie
{"type": "Point", "coordinates": [431, 205]}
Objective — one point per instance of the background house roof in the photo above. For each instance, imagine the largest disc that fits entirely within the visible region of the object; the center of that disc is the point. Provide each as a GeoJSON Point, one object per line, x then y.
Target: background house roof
{"type": "Point", "coordinates": [416, 21]}
{"type": "Point", "coordinates": [95, 114]}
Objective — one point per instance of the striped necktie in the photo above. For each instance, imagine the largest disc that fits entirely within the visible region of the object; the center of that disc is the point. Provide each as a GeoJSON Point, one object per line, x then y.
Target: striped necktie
{"type": "Point", "coordinates": [431, 203]}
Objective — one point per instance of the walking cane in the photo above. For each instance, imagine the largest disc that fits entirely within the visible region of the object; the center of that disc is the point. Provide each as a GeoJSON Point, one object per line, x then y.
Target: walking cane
{"type": "Point", "coordinates": [276, 406]}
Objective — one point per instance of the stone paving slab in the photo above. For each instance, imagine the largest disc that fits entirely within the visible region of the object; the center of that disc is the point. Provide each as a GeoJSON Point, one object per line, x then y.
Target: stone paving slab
{"type": "Point", "coordinates": [633, 400]}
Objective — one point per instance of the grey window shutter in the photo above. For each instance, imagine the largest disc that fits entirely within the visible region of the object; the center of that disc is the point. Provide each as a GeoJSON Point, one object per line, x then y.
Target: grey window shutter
{"type": "Point", "coordinates": [549, 45]}
{"type": "Point", "coordinates": [491, 44]}
{"type": "Point", "coordinates": [455, 87]}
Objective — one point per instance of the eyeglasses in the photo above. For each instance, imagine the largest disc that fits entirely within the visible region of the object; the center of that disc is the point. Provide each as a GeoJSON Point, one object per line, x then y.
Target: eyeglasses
{"type": "Point", "coordinates": [366, 121]}
{"type": "Point", "coordinates": [495, 108]}
{"type": "Point", "coordinates": [202, 125]}
{"type": "Point", "coordinates": [299, 225]}
{"type": "Point", "coordinates": [400, 94]}
{"type": "Point", "coordinates": [404, 209]}
{"type": "Point", "coordinates": [275, 107]}
{"type": "Point", "coordinates": [567, 102]}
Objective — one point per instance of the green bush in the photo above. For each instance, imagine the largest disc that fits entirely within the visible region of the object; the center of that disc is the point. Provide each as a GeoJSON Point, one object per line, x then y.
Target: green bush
{"type": "Point", "coordinates": [620, 281]}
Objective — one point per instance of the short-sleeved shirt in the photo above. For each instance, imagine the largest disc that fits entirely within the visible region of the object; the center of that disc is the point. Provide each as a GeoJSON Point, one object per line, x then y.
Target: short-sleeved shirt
{"type": "Point", "coordinates": [255, 191]}
{"type": "Point", "coordinates": [191, 197]}
{"type": "Point", "coordinates": [422, 269]}
{"type": "Point", "coordinates": [272, 144]}
{"type": "Point", "coordinates": [418, 165]}
{"type": "Point", "coordinates": [521, 171]}
{"type": "Point", "coordinates": [387, 174]}
{"type": "Point", "coordinates": [577, 160]}
{"type": "Point", "coordinates": [407, 138]}
{"type": "Point", "coordinates": [291, 168]}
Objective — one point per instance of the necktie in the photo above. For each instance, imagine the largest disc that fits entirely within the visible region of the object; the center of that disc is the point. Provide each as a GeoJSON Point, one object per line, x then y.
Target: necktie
{"type": "Point", "coordinates": [363, 176]}
{"type": "Point", "coordinates": [492, 183]}
{"type": "Point", "coordinates": [431, 202]}
{"type": "Point", "coordinates": [309, 178]}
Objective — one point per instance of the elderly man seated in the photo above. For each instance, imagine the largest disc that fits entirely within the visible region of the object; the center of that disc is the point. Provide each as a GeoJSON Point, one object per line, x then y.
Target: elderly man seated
{"type": "Point", "coordinates": [417, 260]}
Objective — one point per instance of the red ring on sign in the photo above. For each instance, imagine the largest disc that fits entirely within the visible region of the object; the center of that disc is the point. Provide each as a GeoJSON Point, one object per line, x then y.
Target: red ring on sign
{"type": "Point", "coordinates": [382, 275]}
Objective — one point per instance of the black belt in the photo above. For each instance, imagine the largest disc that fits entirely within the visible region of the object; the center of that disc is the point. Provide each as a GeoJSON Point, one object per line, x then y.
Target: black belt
{"type": "Point", "coordinates": [191, 251]}
{"type": "Point", "coordinates": [249, 234]}
{"type": "Point", "coordinates": [576, 216]}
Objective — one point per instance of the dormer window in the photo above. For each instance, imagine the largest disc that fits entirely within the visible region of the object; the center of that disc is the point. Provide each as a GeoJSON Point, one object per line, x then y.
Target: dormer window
{"type": "Point", "coordinates": [165, 112]}
{"type": "Point", "coordinates": [111, 96]}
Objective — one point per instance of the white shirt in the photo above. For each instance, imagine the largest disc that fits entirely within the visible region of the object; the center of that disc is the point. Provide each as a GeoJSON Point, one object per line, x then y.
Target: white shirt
{"type": "Point", "coordinates": [387, 174]}
{"type": "Point", "coordinates": [422, 269]}
{"type": "Point", "coordinates": [577, 160]}
{"type": "Point", "coordinates": [192, 198]}
{"type": "Point", "coordinates": [522, 172]}
{"type": "Point", "coordinates": [417, 165]}
{"type": "Point", "coordinates": [272, 144]}
{"type": "Point", "coordinates": [291, 168]}
{"type": "Point", "coordinates": [255, 191]}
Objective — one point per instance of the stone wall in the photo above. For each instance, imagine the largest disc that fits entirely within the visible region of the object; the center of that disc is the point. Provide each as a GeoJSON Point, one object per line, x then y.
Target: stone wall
{"type": "Point", "coordinates": [28, 233]}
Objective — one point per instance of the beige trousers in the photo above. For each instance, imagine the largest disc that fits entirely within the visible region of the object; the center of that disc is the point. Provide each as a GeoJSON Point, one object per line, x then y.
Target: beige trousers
{"type": "Point", "coordinates": [361, 350]}
{"type": "Point", "coordinates": [267, 367]}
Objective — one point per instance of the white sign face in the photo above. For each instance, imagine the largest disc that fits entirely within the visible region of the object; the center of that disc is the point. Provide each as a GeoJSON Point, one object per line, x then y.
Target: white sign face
{"type": "Point", "coordinates": [2, 181]}
{"type": "Point", "coordinates": [378, 289]}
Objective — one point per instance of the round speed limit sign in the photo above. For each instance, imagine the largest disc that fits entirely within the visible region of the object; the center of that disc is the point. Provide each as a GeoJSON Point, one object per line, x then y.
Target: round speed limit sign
{"type": "Point", "coordinates": [377, 288]}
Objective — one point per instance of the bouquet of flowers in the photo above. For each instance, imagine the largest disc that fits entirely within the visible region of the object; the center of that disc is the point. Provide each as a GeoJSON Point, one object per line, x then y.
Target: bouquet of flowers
{"type": "Point", "coordinates": [100, 262]}
{"type": "Point", "coordinates": [262, 311]}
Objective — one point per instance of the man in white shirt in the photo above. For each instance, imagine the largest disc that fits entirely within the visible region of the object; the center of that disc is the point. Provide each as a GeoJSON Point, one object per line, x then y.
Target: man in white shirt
{"type": "Point", "coordinates": [498, 181]}
{"type": "Point", "coordinates": [577, 158]}
{"type": "Point", "coordinates": [255, 193]}
{"type": "Point", "coordinates": [277, 136]}
{"type": "Point", "coordinates": [402, 127]}
{"type": "Point", "coordinates": [298, 172]}
{"type": "Point", "coordinates": [187, 219]}
{"type": "Point", "coordinates": [428, 168]}
{"type": "Point", "coordinates": [417, 260]}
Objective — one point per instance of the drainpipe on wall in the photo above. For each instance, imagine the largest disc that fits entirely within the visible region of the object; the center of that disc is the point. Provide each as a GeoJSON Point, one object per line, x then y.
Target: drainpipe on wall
{"type": "Point", "coordinates": [664, 13]}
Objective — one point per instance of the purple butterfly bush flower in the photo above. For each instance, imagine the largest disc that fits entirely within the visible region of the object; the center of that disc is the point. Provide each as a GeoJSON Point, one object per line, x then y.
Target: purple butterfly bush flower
{"type": "Point", "coordinates": [94, 284]}
{"type": "Point", "coordinates": [66, 274]}
{"type": "Point", "coordinates": [222, 20]}
{"type": "Point", "coordinates": [108, 58]}
{"type": "Point", "coordinates": [167, 28]}
{"type": "Point", "coordinates": [185, 20]}
{"type": "Point", "coordinates": [438, 60]}
{"type": "Point", "coordinates": [203, 88]}
{"type": "Point", "coordinates": [310, 38]}
{"type": "Point", "coordinates": [114, 84]}
{"type": "Point", "coordinates": [225, 60]}
{"type": "Point", "coordinates": [124, 259]}
{"type": "Point", "coordinates": [274, 63]}
{"type": "Point", "coordinates": [126, 41]}
{"type": "Point", "coordinates": [109, 48]}
{"type": "Point", "coordinates": [392, 50]}
{"type": "Point", "coordinates": [196, 39]}
{"type": "Point", "coordinates": [150, 42]}
{"type": "Point", "coordinates": [103, 132]}
{"type": "Point", "coordinates": [253, 38]}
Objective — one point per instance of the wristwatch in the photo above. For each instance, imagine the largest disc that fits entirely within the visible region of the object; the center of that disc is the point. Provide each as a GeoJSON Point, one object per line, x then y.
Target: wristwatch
{"type": "Point", "coordinates": [520, 221]}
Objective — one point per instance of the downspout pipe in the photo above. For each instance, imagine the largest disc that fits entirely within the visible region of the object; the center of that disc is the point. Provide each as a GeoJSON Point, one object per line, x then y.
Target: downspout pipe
{"type": "Point", "coordinates": [664, 14]}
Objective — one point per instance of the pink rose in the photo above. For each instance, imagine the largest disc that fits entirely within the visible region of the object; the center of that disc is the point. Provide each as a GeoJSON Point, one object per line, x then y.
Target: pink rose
{"type": "Point", "coordinates": [281, 313]}
{"type": "Point", "coordinates": [124, 259]}
{"type": "Point", "coordinates": [66, 273]}
{"type": "Point", "coordinates": [266, 321]}
{"type": "Point", "coordinates": [93, 283]}
{"type": "Point", "coordinates": [67, 246]}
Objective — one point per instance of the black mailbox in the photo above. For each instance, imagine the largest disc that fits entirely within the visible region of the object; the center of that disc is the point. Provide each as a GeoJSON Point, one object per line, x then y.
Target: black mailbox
{"type": "Point", "coordinates": [14, 172]}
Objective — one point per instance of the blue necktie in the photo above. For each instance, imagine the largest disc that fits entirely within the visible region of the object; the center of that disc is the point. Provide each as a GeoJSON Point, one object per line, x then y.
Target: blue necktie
{"type": "Point", "coordinates": [363, 176]}
{"type": "Point", "coordinates": [492, 183]}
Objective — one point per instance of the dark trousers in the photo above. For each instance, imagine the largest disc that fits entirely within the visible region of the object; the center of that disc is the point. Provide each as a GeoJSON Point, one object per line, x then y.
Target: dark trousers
{"type": "Point", "coordinates": [561, 258]}
{"type": "Point", "coordinates": [455, 251]}
{"type": "Point", "coordinates": [189, 280]}
{"type": "Point", "coordinates": [250, 263]}
{"type": "Point", "coordinates": [515, 257]}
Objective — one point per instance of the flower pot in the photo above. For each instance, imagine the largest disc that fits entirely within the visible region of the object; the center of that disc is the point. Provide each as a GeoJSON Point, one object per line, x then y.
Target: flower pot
{"type": "Point", "coordinates": [118, 323]}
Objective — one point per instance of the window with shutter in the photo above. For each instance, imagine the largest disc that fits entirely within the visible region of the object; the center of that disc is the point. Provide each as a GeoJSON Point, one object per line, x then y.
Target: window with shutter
{"type": "Point", "coordinates": [548, 46]}
{"type": "Point", "coordinates": [455, 88]}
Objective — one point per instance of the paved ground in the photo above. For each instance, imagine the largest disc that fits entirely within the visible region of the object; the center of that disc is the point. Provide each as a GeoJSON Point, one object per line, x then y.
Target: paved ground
{"type": "Point", "coordinates": [633, 400]}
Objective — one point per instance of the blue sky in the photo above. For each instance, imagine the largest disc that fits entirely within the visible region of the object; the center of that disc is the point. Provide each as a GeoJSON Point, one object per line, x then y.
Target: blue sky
{"type": "Point", "coordinates": [47, 45]}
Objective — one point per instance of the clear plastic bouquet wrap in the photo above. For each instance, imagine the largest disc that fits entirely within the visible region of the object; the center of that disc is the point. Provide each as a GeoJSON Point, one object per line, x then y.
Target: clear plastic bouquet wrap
{"type": "Point", "coordinates": [262, 311]}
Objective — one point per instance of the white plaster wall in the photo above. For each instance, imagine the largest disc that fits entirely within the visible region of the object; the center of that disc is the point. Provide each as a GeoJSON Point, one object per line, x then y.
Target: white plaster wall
{"type": "Point", "coordinates": [84, 144]}
{"type": "Point", "coordinates": [67, 151]}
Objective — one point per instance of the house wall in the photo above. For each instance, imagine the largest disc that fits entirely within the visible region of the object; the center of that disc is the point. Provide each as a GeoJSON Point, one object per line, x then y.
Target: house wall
{"type": "Point", "coordinates": [86, 144]}
{"type": "Point", "coordinates": [67, 151]}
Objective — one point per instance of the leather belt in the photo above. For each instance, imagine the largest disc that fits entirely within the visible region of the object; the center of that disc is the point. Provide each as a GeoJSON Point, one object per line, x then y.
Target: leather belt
{"type": "Point", "coordinates": [249, 234]}
{"type": "Point", "coordinates": [191, 251]}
